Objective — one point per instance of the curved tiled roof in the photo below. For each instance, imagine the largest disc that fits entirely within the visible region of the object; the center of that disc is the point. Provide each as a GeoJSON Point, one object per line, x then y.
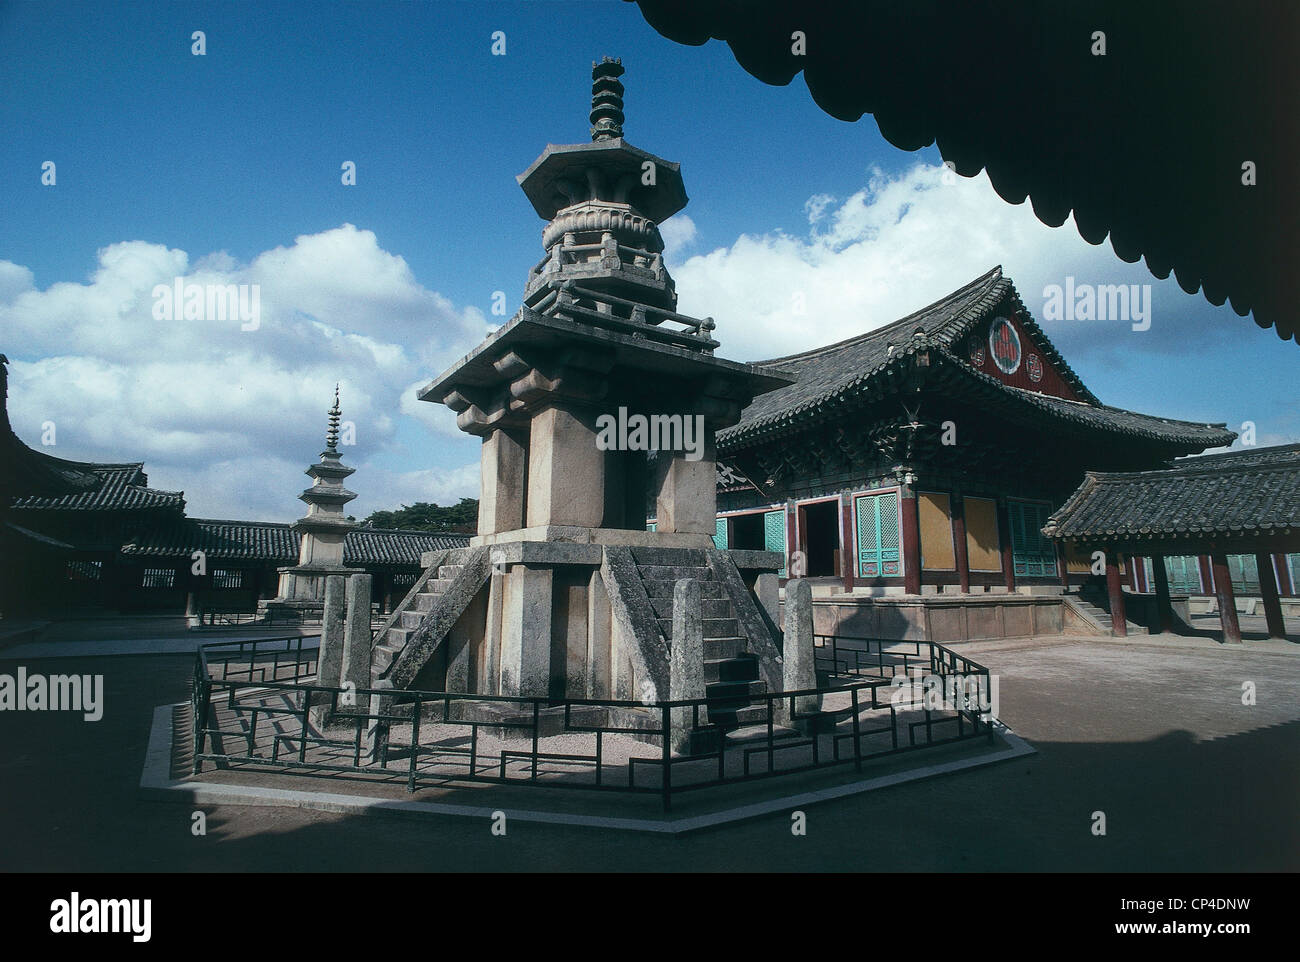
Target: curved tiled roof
{"type": "Point", "coordinates": [825, 377]}
{"type": "Point", "coordinates": [273, 541]}
{"type": "Point", "coordinates": [1239, 493]}
{"type": "Point", "coordinates": [1015, 89]}
{"type": "Point", "coordinates": [383, 546]}
{"type": "Point", "coordinates": [121, 487]}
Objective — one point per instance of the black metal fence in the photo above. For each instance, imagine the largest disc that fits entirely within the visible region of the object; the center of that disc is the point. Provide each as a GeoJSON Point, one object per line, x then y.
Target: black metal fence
{"type": "Point", "coordinates": [253, 706]}
{"type": "Point", "coordinates": [211, 617]}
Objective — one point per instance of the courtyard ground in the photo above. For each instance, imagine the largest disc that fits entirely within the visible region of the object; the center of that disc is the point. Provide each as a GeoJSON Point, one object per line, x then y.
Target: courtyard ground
{"type": "Point", "coordinates": [1151, 731]}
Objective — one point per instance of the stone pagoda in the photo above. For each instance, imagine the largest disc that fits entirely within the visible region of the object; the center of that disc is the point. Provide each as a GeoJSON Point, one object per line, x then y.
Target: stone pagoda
{"type": "Point", "coordinates": [597, 406]}
{"type": "Point", "coordinates": [321, 533]}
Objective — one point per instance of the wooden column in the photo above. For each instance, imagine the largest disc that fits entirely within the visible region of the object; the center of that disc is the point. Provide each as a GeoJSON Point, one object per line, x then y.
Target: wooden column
{"type": "Point", "coordinates": [959, 541]}
{"type": "Point", "coordinates": [1227, 600]}
{"type": "Point", "coordinates": [848, 556]}
{"type": "Point", "coordinates": [1284, 586]}
{"type": "Point", "coordinates": [1139, 574]}
{"type": "Point", "coordinates": [1062, 565]}
{"type": "Point", "coordinates": [1207, 574]}
{"type": "Point", "coordinates": [791, 539]}
{"type": "Point", "coordinates": [1164, 611]}
{"type": "Point", "coordinates": [1115, 588]}
{"type": "Point", "coordinates": [911, 543]}
{"type": "Point", "coordinates": [1272, 602]}
{"type": "Point", "coordinates": [1004, 540]}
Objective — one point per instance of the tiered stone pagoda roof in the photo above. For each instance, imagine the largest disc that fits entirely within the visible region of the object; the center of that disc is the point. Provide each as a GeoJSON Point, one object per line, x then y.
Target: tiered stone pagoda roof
{"type": "Point", "coordinates": [830, 378]}
{"type": "Point", "coordinates": [1238, 494]}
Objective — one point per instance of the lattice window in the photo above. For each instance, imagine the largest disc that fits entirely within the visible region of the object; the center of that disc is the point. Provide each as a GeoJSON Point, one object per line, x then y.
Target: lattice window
{"type": "Point", "coordinates": [158, 578]}
{"type": "Point", "coordinates": [81, 571]}
{"type": "Point", "coordinates": [1244, 573]}
{"type": "Point", "coordinates": [1031, 551]}
{"type": "Point", "coordinates": [720, 534]}
{"type": "Point", "coordinates": [1184, 575]}
{"type": "Point", "coordinates": [878, 535]}
{"type": "Point", "coordinates": [227, 578]}
{"type": "Point", "coordinates": [774, 534]}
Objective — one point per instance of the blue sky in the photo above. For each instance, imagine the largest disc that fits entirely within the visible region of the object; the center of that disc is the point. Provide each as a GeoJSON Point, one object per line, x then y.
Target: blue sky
{"type": "Point", "coordinates": [227, 166]}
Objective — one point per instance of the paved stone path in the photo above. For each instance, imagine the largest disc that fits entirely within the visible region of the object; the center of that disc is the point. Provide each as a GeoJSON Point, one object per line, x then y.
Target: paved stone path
{"type": "Point", "coordinates": [1152, 732]}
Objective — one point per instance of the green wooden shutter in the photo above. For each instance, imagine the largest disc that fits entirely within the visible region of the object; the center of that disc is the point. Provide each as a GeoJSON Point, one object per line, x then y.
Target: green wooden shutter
{"type": "Point", "coordinates": [1293, 565]}
{"type": "Point", "coordinates": [878, 540]}
{"type": "Point", "coordinates": [1184, 575]}
{"type": "Point", "coordinates": [720, 534]}
{"type": "Point", "coordinates": [1031, 551]}
{"type": "Point", "coordinates": [1244, 573]}
{"type": "Point", "coordinates": [651, 525]}
{"type": "Point", "coordinates": [774, 534]}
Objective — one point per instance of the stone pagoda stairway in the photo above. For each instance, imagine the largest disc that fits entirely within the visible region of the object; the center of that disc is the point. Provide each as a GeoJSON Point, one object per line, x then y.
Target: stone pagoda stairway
{"type": "Point", "coordinates": [421, 622]}
{"type": "Point", "coordinates": [731, 668]}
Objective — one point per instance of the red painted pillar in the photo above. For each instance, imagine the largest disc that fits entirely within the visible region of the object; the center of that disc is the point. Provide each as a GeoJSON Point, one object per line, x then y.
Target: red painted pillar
{"type": "Point", "coordinates": [1284, 585]}
{"type": "Point", "coordinates": [848, 555]}
{"type": "Point", "coordinates": [791, 539]}
{"type": "Point", "coordinates": [1004, 537]}
{"type": "Point", "coordinates": [1207, 574]}
{"type": "Point", "coordinates": [959, 542]}
{"type": "Point", "coordinates": [1272, 602]}
{"type": "Point", "coordinates": [1062, 565]}
{"type": "Point", "coordinates": [911, 542]}
{"type": "Point", "coordinates": [1227, 600]}
{"type": "Point", "coordinates": [1164, 611]}
{"type": "Point", "coordinates": [1114, 587]}
{"type": "Point", "coordinates": [1139, 574]}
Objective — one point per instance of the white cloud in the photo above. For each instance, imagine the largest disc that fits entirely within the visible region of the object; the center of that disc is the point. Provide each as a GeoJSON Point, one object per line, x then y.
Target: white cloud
{"type": "Point", "coordinates": [679, 235]}
{"type": "Point", "coordinates": [893, 247]}
{"type": "Point", "coordinates": [233, 416]}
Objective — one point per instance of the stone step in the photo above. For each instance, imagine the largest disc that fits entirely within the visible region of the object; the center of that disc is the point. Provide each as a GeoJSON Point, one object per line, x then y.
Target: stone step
{"type": "Point", "coordinates": [738, 716]}
{"type": "Point", "coordinates": [712, 607]}
{"type": "Point", "coordinates": [449, 572]}
{"type": "Point", "coordinates": [750, 734]}
{"type": "Point", "coordinates": [411, 619]}
{"type": "Point", "coordinates": [424, 601]}
{"type": "Point", "coordinates": [725, 647]}
{"type": "Point", "coordinates": [396, 636]}
{"type": "Point", "coordinates": [713, 627]}
{"type": "Point", "coordinates": [669, 556]}
{"type": "Point", "coordinates": [437, 585]}
{"type": "Point", "coordinates": [674, 573]}
{"type": "Point", "coordinates": [740, 668]}
{"type": "Point", "coordinates": [709, 590]}
{"type": "Point", "coordinates": [738, 691]}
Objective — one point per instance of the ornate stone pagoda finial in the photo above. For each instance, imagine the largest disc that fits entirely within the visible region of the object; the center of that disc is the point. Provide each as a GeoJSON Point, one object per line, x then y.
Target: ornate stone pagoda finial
{"type": "Point", "coordinates": [606, 99]}
{"type": "Point", "coordinates": [332, 436]}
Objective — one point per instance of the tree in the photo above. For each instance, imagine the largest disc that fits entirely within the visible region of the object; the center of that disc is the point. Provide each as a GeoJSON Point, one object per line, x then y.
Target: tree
{"type": "Point", "coordinates": [424, 516]}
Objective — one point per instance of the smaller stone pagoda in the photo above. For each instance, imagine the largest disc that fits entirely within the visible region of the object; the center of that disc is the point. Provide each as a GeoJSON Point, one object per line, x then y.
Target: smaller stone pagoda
{"type": "Point", "coordinates": [321, 532]}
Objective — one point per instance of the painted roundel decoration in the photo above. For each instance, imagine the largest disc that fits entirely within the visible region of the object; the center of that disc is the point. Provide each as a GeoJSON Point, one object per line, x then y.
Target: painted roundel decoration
{"type": "Point", "coordinates": [1004, 345]}
{"type": "Point", "coordinates": [975, 348]}
{"type": "Point", "coordinates": [1034, 365]}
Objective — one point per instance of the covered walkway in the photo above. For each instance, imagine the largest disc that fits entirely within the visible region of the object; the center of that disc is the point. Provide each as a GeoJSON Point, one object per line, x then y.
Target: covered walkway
{"type": "Point", "coordinates": [1241, 502]}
